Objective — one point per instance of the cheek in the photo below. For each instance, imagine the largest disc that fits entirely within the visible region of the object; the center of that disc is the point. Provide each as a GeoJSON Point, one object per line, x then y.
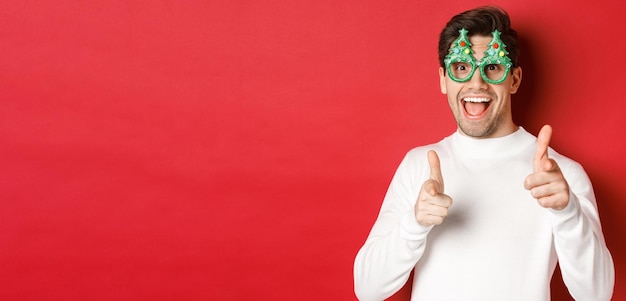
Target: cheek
{"type": "Point", "coordinates": [452, 101]}
{"type": "Point", "coordinates": [453, 89]}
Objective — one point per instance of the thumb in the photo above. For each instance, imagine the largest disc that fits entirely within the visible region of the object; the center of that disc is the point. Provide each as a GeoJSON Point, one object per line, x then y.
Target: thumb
{"type": "Point", "coordinates": [435, 171]}
{"type": "Point", "coordinates": [543, 141]}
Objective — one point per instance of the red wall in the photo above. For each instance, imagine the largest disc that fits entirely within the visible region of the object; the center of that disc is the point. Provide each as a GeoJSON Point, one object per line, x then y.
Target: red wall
{"type": "Point", "coordinates": [237, 150]}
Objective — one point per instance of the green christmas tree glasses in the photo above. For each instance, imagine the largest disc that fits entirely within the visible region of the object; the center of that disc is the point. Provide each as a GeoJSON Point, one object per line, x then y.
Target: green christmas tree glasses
{"type": "Point", "coordinates": [461, 64]}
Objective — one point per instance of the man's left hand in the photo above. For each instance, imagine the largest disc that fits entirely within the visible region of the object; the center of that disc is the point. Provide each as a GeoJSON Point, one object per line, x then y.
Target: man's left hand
{"type": "Point", "coordinates": [547, 183]}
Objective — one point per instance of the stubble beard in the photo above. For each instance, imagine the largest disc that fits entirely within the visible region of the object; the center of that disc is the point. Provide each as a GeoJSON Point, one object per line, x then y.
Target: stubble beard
{"type": "Point", "coordinates": [480, 129]}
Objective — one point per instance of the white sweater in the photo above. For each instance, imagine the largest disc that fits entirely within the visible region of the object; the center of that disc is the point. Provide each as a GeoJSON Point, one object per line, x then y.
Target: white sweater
{"type": "Point", "coordinates": [497, 242]}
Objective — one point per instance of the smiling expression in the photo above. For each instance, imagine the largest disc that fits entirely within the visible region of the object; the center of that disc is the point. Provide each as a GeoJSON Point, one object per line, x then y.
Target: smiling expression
{"type": "Point", "coordinates": [481, 109]}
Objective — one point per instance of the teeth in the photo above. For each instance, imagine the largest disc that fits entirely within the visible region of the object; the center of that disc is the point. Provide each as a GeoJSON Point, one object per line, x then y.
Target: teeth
{"type": "Point", "coordinates": [476, 99]}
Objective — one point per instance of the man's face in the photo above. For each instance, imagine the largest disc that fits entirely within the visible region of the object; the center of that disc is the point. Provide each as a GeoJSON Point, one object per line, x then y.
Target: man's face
{"type": "Point", "coordinates": [482, 110]}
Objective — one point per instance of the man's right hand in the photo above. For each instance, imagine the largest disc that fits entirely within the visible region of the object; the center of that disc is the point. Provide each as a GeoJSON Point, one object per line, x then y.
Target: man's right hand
{"type": "Point", "coordinates": [432, 204]}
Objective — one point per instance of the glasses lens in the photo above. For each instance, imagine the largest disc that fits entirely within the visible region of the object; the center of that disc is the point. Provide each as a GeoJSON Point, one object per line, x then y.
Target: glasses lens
{"type": "Point", "coordinates": [494, 72]}
{"type": "Point", "coordinates": [461, 70]}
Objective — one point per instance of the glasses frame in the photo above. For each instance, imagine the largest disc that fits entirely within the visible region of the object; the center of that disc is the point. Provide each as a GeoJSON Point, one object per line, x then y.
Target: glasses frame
{"type": "Point", "coordinates": [461, 52]}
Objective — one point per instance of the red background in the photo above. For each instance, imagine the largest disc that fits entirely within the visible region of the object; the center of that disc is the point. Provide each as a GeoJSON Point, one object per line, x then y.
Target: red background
{"type": "Point", "coordinates": [237, 150]}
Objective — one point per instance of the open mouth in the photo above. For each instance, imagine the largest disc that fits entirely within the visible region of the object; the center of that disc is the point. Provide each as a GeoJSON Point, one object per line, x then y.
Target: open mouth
{"type": "Point", "coordinates": [475, 107]}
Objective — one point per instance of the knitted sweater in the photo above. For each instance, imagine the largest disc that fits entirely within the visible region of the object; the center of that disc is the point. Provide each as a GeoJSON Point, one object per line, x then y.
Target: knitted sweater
{"type": "Point", "coordinates": [497, 242]}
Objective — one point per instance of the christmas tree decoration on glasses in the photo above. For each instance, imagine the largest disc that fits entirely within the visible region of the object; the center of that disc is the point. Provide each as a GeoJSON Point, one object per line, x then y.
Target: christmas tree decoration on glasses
{"type": "Point", "coordinates": [461, 64]}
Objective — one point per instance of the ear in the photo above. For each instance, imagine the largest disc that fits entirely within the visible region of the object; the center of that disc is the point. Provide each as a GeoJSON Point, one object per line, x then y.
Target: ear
{"type": "Point", "coordinates": [442, 81]}
{"type": "Point", "coordinates": [516, 74]}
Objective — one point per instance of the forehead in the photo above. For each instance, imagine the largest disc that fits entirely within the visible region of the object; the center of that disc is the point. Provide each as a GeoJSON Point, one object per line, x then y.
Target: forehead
{"type": "Point", "coordinates": [479, 45]}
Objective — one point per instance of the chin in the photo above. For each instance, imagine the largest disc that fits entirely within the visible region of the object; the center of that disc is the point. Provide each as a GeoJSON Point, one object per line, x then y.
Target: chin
{"type": "Point", "coordinates": [476, 131]}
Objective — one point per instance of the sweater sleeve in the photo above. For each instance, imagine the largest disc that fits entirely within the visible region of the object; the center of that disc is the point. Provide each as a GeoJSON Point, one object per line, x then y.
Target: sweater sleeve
{"type": "Point", "coordinates": [396, 241]}
{"type": "Point", "coordinates": [585, 262]}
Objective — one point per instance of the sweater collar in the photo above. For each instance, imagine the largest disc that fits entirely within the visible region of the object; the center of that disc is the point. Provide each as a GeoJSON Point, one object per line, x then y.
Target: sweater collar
{"type": "Point", "coordinates": [511, 144]}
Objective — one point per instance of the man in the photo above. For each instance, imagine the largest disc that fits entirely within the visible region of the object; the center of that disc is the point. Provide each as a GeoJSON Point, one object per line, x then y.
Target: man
{"type": "Point", "coordinates": [486, 213]}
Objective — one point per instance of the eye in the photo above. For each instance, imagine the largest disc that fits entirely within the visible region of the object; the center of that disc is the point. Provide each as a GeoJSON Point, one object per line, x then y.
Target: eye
{"type": "Point", "coordinates": [460, 70]}
{"type": "Point", "coordinates": [494, 72]}
{"type": "Point", "coordinates": [492, 67]}
{"type": "Point", "coordinates": [461, 67]}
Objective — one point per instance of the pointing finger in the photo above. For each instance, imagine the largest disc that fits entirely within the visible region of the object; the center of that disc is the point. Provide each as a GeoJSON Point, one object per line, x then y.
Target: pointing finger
{"type": "Point", "coordinates": [543, 141]}
{"type": "Point", "coordinates": [435, 170]}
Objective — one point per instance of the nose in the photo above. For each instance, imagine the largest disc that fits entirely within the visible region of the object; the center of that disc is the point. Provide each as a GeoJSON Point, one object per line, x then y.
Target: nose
{"type": "Point", "coordinates": [477, 81]}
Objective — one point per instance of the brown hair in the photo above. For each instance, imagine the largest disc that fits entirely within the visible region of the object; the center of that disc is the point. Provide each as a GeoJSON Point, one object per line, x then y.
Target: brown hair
{"type": "Point", "coordinates": [480, 21]}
